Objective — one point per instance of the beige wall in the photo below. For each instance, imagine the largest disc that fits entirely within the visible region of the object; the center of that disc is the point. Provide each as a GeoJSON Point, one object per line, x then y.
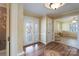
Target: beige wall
{"type": "Point", "coordinates": [20, 29]}
{"type": "Point", "coordinates": [49, 29]}
{"type": "Point", "coordinates": [16, 30]}
{"type": "Point", "coordinates": [43, 29]}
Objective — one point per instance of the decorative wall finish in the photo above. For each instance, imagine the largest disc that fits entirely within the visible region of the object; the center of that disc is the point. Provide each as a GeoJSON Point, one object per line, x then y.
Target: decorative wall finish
{"type": "Point", "coordinates": [3, 17]}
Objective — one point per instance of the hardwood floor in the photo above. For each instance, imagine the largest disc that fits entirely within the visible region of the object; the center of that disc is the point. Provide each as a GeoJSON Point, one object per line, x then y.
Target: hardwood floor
{"type": "Point", "coordinates": [58, 49]}
{"type": "Point", "coordinates": [36, 49]}
{"type": "Point", "coordinates": [51, 49]}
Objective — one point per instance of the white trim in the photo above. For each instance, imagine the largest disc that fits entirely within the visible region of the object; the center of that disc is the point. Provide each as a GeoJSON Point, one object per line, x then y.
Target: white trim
{"type": "Point", "coordinates": [21, 54]}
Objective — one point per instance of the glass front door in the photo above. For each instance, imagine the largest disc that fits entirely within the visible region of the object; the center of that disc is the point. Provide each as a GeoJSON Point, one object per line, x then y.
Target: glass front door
{"type": "Point", "coordinates": [31, 30]}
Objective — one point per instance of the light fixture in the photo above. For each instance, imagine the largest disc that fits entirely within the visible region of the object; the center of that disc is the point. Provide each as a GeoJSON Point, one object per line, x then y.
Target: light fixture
{"type": "Point", "coordinates": [53, 5]}
{"type": "Point", "coordinates": [74, 21]}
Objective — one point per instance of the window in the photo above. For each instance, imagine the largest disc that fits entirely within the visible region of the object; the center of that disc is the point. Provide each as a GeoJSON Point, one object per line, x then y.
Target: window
{"type": "Point", "coordinates": [31, 30]}
{"type": "Point", "coordinates": [74, 27]}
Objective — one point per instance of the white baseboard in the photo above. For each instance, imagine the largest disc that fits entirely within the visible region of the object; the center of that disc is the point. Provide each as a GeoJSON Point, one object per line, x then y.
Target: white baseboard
{"type": "Point", "coordinates": [21, 54]}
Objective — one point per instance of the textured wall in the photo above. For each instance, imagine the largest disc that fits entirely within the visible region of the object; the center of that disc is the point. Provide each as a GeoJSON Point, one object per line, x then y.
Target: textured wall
{"type": "Point", "coordinates": [3, 18]}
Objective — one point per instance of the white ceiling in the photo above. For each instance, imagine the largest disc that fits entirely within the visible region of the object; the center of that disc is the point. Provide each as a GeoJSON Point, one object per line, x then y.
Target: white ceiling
{"type": "Point", "coordinates": [38, 9]}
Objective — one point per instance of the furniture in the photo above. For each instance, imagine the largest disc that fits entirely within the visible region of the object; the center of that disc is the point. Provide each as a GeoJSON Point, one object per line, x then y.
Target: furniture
{"type": "Point", "coordinates": [67, 34]}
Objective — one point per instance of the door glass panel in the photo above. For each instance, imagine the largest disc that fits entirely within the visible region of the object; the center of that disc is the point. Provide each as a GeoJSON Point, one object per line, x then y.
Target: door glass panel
{"type": "Point", "coordinates": [36, 32]}
{"type": "Point", "coordinates": [74, 27]}
{"type": "Point", "coordinates": [31, 30]}
{"type": "Point", "coordinates": [28, 33]}
{"type": "Point", "coordinates": [28, 26]}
